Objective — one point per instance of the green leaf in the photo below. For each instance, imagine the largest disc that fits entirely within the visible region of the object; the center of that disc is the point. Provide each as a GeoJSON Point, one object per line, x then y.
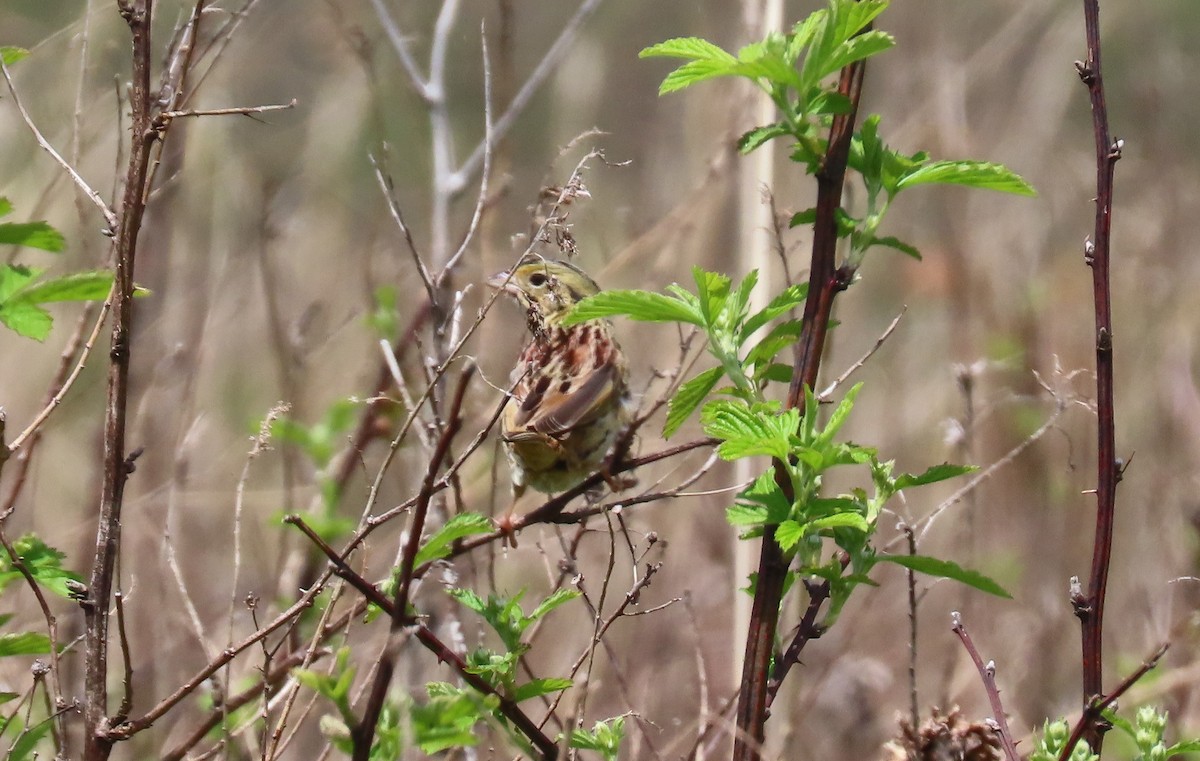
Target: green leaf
{"type": "Point", "coordinates": [539, 687]}
{"type": "Point", "coordinates": [747, 431]}
{"type": "Point", "coordinates": [790, 298]}
{"type": "Point", "coordinates": [692, 72]}
{"type": "Point", "coordinates": [840, 520]}
{"type": "Point", "coordinates": [933, 475]}
{"type": "Point", "coordinates": [24, 643]}
{"type": "Point", "coordinates": [975, 174]}
{"type": "Point", "coordinates": [1187, 746]}
{"type": "Point", "coordinates": [746, 515]}
{"type": "Point", "coordinates": [863, 46]}
{"type": "Point", "coordinates": [693, 48]}
{"type": "Point", "coordinates": [33, 234]}
{"type": "Point", "coordinates": [644, 306]}
{"type": "Point", "coordinates": [11, 54]}
{"type": "Point", "coordinates": [760, 135]}
{"type": "Point", "coordinates": [839, 416]}
{"type": "Point", "coordinates": [788, 534]}
{"type": "Point", "coordinates": [712, 289]}
{"type": "Point", "coordinates": [27, 741]}
{"type": "Point", "coordinates": [42, 561]}
{"type": "Point", "coordinates": [949, 570]}
{"type": "Point", "coordinates": [688, 398]}
{"type": "Point", "coordinates": [778, 338]}
{"type": "Point", "coordinates": [25, 319]}
{"type": "Point", "coordinates": [846, 224]}
{"type": "Point", "coordinates": [78, 286]}
{"type": "Point", "coordinates": [765, 492]}
{"type": "Point", "coordinates": [458, 527]}
{"type": "Point", "coordinates": [558, 598]}
{"type": "Point", "coordinates": [896, 243]}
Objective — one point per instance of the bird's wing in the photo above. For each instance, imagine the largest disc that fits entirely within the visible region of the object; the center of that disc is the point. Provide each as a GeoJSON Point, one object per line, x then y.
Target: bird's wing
{"type": "Point", "coordinates": [553, 408]}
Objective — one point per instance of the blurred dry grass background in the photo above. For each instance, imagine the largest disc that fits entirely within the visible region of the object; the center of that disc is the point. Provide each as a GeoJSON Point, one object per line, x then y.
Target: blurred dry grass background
{"type": "Point", "coordinates": [286, 205]}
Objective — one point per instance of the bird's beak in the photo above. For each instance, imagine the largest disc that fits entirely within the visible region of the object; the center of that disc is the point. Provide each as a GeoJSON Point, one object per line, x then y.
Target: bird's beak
{"type": "Point", "coordinates": [503, 281]}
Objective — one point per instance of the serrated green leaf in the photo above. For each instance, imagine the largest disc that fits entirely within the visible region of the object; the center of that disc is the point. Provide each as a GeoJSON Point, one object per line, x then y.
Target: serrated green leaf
{"type": "Point", "coordinates": [27, 742]}
{"type": "Point", "coordinates": [693, 48]}
{"type": "Point", "coordinates": [838, 418]}
{"type": "Point", "coordinates": [746, 515]}
{"type": "Point", "coordinates": [14, 277]}
{"type": "Point", "coordinates": [25, 319]}
{"type": "Point", "coordinates": [829, 103]}
{"type": "Point", "coordinates": [897, 244]}
{"type": "Point", "coordinates": [33, 234]}
{"type": "Point", "coordinates": [644, 306]}
{"type": "Point", "coordinates": [438, 545]}
{"type": "Point", "coordinates": [974, 174]}
{"type": "Point", "coordinates": [745, 432]}
{"type": "Point", "coordinates": [558, 598]}
{"type": "Point", "coordinates": [790, 298]}
{"type": "Point", "coordinates": [777, 338]}
{"type": "Point", "coordinates": [760, 135]}
{"type": "Point", "coordinates": [695, 71]}
{"type": "Point", "coordinates": [933, 475]}
{"type": "Point", "coordinates": [846, 224]}
{"type": "Point", "coordinates": [78, 286]}
{"type": "Point", "coordinates": [863, 46]}
{"type": "Point", "coordinates": [788, 534]}
{"type": "Point", "coordinates": [469, 599]}
{"type": "Point", "coordinates": [949, 570]}
{"type": "Point", "coordinates": [712, 289]}
{"type": "Point", "coordinates": [539, 687]}
{"type": "Point", "coordinates": [24, 643]}
{"type": "Point", "coordinates": [1187, 746]}
{"type": "Point", "coordinates": [688, 398]}
{"type": "Point", "coordinates": [840, 520]}
{"type": "Point", "coordinates": [10, 54]}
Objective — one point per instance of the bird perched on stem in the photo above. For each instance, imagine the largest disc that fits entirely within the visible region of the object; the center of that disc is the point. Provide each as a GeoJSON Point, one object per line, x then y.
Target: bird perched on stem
{"type": "Point", "coordinates": [571, 398]}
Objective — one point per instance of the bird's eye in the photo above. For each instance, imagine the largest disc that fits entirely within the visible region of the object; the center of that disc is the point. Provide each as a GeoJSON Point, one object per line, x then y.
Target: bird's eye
{"type": "Point", "coordinates": [537, 279]}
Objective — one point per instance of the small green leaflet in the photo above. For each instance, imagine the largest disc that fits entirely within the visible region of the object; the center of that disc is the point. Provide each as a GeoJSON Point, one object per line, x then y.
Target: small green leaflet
{"type": "Point", "coordinates": [24, 643]}
{"type": "Point", "coordinates": [933, 475]}
{"type": "Point", "coordinates": [11, 54]}
{"type": "Point", "coordinates": [644, 306]}
{"type": "Point", "coordinates": [459, 527]}
{"type": "Point", "coordinates": [539, 687]}
{"type": "Point", "coordinates": [746, 432]}
{"type": "Point", "coordinates": [949, 570]}
{"type": "Point", "coordinates": [688, 398]}
{"type": "Point", "coordinates": [975, 174]}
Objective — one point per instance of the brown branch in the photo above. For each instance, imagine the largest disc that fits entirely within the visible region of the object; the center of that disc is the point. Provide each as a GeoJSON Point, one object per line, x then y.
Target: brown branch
{"type": "Point", "coordinates": [1090, 609]}
{"type": "Point", "coordinates": [97, 743]}
{"type": "Point", "coordinates": [1093, 713]}
{"type": "Point", "coordinates": [808, 629]}
{"type": "Point", "coordinates": [988, 674]}
{"type": "Point", "coordinates": [363, 734]}
{"type": "Point", "coordinates": [429, 640]}
{"type": "Point", "coordinates": [825, 282]}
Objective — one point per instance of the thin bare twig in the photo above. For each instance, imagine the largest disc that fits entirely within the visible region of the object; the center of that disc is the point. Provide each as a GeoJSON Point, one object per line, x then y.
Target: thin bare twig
{"type": "Point", "coordinates": [1093, 713]}
{"type": "Point", "coordinates": [988, 674]}
{"type": "Point", "coordinates": [110, 217]}
{"type": "Point", "coordinates": [97, 741]}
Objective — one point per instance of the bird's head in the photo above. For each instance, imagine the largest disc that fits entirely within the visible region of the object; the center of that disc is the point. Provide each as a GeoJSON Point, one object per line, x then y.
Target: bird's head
{"type": "Point", "coordinates": [545, 287]}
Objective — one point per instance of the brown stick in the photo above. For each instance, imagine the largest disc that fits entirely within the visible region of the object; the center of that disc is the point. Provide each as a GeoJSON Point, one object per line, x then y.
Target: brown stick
{"type": "Point", "coordinates": [825, 282]}
{"type": "Point", "coordinates": [1090, 609]}
{"type": "Point", "coordinates": [363, 734]}
{"type": "Point", "coordinates": [97, 744]}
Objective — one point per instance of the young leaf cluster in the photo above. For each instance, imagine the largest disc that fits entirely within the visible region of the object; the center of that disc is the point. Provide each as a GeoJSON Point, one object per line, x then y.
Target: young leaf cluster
{"type": "Point", "coordinates": [23, 289]}
{"type": "Point", "coordinates": [336, 686]}
{"type": "Point", "coordinates": [723, 312]}
{"type": "Point", "coordinates": [795, 70]}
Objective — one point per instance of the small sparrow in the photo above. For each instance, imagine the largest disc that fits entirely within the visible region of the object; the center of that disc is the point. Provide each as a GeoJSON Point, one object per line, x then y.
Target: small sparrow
{"type": "Point", "coordinates": [571, 398]}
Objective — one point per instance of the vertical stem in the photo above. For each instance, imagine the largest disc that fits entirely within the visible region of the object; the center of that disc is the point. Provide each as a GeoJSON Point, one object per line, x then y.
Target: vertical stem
{"type": "Point", "coordinates": [1090, 609]}
{"type": "Point", "coordinates": [825, 281]}
{"type": "Point", "coordinates": [97, 745]}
